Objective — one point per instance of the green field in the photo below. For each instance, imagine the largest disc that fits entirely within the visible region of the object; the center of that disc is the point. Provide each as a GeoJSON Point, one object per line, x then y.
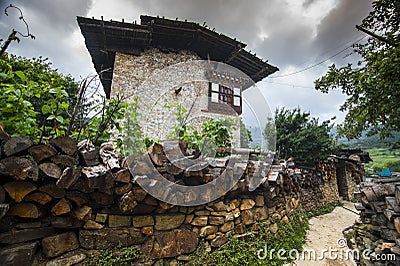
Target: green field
{"type": "Point", "coordinates": [383, 158]}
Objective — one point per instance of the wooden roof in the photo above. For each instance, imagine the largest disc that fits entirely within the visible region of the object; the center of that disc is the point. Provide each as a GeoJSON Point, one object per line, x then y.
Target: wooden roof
{"type": "Point", "coordinates": [104, 38]}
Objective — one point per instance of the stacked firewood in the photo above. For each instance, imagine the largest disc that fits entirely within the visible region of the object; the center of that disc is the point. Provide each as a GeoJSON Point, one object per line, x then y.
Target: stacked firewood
{"type": "Point", "coordinates": [377, 234]}
{"type": "Point", "coordinates": [71, 196]}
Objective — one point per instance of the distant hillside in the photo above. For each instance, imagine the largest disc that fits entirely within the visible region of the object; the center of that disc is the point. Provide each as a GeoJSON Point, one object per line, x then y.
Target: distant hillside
{"type": "Point", "coordinates": [369, 142]}
{"type": "Point", "coordinates": [380, 151]}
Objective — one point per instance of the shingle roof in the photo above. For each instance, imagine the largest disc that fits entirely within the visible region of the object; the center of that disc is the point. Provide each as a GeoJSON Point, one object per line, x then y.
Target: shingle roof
{"type": "Point", "coordinates": [104, 38]}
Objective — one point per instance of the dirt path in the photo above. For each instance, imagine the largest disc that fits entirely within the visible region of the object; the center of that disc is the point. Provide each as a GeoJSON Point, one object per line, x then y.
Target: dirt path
{"type": "Point", "coordinates": [326, 233]}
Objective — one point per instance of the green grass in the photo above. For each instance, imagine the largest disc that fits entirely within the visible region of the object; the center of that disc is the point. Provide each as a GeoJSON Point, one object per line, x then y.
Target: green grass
{"type": "Point", "coordinates": [116, 256]}
{"type": "Point", "coordinates": [383, 158]}
{"type": "Point", "coordinates": [243, 251]}
{"type": "Point", "coordinates": [328, 208]}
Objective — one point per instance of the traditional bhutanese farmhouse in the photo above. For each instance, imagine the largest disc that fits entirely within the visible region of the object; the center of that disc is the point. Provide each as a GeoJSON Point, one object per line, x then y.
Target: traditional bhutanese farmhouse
{"type": "Point", "coordinates": [126, 55]}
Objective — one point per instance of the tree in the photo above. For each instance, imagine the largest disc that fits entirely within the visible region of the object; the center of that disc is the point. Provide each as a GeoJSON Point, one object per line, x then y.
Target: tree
{"type": "Point", "coordinates": [35, 100]}
{"type": "Point", "coordinates": [38, 102]}
{"type": "Point", "coordinates": [245, 135]}
{"type": "Point", "coordinates": [372, 86]}
{"type": "Point", "coordinates": [300, 136]}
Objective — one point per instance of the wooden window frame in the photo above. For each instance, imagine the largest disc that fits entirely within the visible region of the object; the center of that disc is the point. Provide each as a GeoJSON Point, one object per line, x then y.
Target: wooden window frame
{"type": "Point", "coordinates": [226, 96]}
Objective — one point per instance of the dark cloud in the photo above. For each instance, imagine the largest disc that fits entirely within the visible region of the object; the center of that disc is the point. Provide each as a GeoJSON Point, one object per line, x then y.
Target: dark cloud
{"type": "Point", "coordinates": [338, 27]}
{"type": "Point", "coordinates": [289, 34]}
{"type": "Point", "coordinates": [308, 3]}
{"type": "Point", "coordinates": [53, 22]}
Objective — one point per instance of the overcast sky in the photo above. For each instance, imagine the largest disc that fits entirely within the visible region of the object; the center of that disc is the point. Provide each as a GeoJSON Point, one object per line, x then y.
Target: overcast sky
{"type": "Point", "coordinates": [290, 34]}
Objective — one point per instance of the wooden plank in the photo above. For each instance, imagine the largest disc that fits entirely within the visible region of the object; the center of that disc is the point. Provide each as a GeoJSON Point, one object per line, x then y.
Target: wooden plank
{"type": "Point", "coordinates": [359, 207]}
{"type": "Point", "coordinates": [390, 214]}
{"type": "Point", "coordinates": [397, 194]}
{"type": "Point", "coordinates": [378, 207]}
{"type": "Point", "coordinates": [391, 204]}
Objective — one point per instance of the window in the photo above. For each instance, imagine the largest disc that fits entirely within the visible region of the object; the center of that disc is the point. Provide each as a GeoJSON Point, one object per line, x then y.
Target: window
{"type": "Point", "coordinates": [220, 94]}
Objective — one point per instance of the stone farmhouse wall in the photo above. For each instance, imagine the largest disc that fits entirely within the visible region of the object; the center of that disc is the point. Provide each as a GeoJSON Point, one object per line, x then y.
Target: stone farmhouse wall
{"type": "Point", "coordinates": [132, 77]}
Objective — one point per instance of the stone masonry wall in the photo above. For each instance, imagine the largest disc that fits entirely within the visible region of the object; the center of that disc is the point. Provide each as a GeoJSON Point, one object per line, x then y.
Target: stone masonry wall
{"type": "Point", "coordinates": [60, 201]}
{"type": "Point", "coordinates": [131, 77]}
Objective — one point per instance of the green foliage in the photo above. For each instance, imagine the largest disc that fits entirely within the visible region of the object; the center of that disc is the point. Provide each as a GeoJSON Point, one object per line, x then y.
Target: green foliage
{"type": "Point", "coordinates": [34, 99]}
{"type": "Point", "coordinates": [328, 208]}
{"type": "Point", "coordinates": [219, 131]}
{"type": "Point", "coordinates": [214, 133]}
{"type": "Point", "coordinates": [372, 86]}
{"type": "Point", "coordinates": [383, 158]}
{"type": "Point", "coordinates": [300, 136]}
{"type": "Point", "coordinates": [102, 120]}
{"type": "Point", "coordinates": [38, 102]}
{"type": "Point", "coordinates": [245, 135]}
{"type": "Point", "coordinates": [132, 137]}
{"type": "Point", "coordinates": [374, 141]}
{"type": "Point", "coordinates": [117, 256]}
{"type": "Point", "coordinates": [243, 251]}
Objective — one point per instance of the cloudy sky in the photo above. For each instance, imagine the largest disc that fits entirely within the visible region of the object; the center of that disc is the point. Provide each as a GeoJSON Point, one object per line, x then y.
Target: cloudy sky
{"type": "Point", "coordinates": [301, 37]}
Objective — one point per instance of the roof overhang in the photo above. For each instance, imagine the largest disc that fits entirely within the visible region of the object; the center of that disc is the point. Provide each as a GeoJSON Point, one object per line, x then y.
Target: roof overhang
{"type": "Point", "coordinates": [104, 38]}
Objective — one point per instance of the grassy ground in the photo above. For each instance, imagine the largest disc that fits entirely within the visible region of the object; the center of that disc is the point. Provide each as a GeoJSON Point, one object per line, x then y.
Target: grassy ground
{"type": "Point", "coordinates": [383, 158]}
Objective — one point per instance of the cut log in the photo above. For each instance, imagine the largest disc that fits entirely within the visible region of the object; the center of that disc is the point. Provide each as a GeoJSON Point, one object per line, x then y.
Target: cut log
{"type": "Point", "coordinates": [141, 167]}
{"type": "Point", "coordinates": [109, 183]}
{"type": "Point", "coordinates": [397, 224]}
{"type": "Point", "coordinates": [369, 194]}
{"type": "Point", "coordinates": [16, 145]}
{"type": "Point", "coordinates": [77, 197]}
{"type": "Point", "coordinates": [155, 152]}
{"type": "Point", "coordinates": [173, 169]}
{"type": "Point", "coordinates": [174, 149]}
{"type": "Point", "coordinates": [102, 198]}
{"type": "Point", "coordinates": [3, 136]}
{"type": "Point", "coordinates": [397, 195]}
{"type": "Point", "coordinates": [110, 156]}
{"type": "Point", "coordinates": [128, 202]}
{"type": "Point", "coordinates": [123, 176]}
{"type": "Point", "coordinates": [391, 204]}
{"type": "Point", "coordinates": [42, 151]}
{"type": "Point", "coordinates": [61, 207]}
{"type": "Point", "coordinates": [25, 210]}
{"type": "Point", "coordinates": [122, 189]}
{"type": "Point", "coordinates": [4, 207]}
{"type": "Point", "coordinates": [39, 197]}
{"type": "Point", "coordinates": [65, 144]}
{"type": "Point", "coordinates": [2, 194]}
{"type": "Point", "coordinates": [382, 191]}
{"type": "Point", "coordinates": [50, 170]}
{"type": "Point", "coordinates": [53, 190]}
{"type": "Point", "coordinates": [84, 213]}
{"type": "Point", "coordinates": [19, 168]}
{"type": "Point", "coordinates": [139, 193]}
{"type": "Point", "coordinates": [390, 214]}
{"type": "Point", "coordinates": [18, 190]}
{"type": "Point", "coordinates": [94, 171]}
{"type": "Point", "coordinates": [64, 160]}
{"type": "Point", "coordinates": [69, 176]}
{"type": "Point", "coordinates": [87, 153]}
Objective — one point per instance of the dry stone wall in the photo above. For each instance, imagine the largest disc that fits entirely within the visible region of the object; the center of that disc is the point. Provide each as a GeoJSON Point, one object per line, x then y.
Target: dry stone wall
{"type": "Point", "coordinates": [61, 200]}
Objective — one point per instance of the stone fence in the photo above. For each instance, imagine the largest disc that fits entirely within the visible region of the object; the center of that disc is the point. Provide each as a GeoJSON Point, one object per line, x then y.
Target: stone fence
{"type": "Point", "coordinates": [61, 199]}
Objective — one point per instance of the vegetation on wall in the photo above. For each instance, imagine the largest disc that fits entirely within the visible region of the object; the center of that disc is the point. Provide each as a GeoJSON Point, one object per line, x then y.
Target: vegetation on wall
{"type": "Point", "coordinates": [214, 133]}
{"type": "Point", "coordinates": [244, 251]}
{"type": "Point", "coordinates": [300, 136]}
